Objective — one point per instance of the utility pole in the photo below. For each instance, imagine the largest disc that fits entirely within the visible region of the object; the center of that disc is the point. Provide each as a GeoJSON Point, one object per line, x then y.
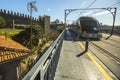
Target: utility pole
{"type": "Point", "coordinates": [13, 24]}
{"type": "Point", "coordinates": [31, 6]}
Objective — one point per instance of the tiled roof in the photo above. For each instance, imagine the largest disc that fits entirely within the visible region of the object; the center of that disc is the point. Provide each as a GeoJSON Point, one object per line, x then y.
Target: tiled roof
{"type": "Point", "coordinates": [11, 50]}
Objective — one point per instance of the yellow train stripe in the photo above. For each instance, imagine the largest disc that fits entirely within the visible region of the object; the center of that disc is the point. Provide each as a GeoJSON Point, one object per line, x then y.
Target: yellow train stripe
{"type": "Point", "coordinates": [102, 70]}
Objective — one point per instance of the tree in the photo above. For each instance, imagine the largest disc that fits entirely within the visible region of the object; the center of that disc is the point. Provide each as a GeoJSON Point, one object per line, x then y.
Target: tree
{"type": "Point", "coordinates": [24, 37]}
{"type": "Point", "coordinates": [2, 22]}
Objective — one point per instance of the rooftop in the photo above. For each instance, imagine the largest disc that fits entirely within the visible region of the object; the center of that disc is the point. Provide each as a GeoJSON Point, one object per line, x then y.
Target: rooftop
{"type": "Point", "coordinates": [11, 50]}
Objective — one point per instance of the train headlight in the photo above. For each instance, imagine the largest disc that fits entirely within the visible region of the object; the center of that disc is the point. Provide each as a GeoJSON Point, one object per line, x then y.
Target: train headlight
{"type": "Point", "coordinates": [100, 34]}
{"type": "Point", "coordinates": [84, 31]}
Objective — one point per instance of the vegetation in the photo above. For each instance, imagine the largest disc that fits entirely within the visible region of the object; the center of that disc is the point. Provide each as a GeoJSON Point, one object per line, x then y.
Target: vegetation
{"type": "Point", "coordinates": [2, 22]}
{"type": "Point", "coordinates": [24, 37]}
{"type": "Point", "coordinates": [38, 38]}
{"type": "Point", "coordinates": [61, 29]}
{"type": "Point", "coordinates": [40, 43]}
{"type": "Point", "coordinates": [9, 32]}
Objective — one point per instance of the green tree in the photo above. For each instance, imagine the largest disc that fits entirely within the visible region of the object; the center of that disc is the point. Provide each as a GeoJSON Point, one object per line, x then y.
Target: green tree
{"type": "Point", "coordinates": [2, 22]}
{"type": "Point", "coordinates": [24, 37]}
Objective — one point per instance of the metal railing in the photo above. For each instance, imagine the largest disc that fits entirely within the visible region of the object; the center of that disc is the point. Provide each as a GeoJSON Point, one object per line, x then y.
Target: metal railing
{"type": "Point", "coordinates": [45, 67]}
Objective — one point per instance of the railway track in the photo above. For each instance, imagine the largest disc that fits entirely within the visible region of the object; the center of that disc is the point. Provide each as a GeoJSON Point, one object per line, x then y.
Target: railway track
{"type": "Point", "coordinates": [112, 39]}
{"type": "Point", "coordinates": [111, 44]}
{"type": "Point", "coordinates": [106, 52]}
{"type": "Point", "coordinates": [116, 59]}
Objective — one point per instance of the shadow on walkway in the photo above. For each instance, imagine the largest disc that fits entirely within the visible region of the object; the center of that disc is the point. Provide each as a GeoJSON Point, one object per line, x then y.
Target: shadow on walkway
{"type": "Point", "coordinates": [81, 53]}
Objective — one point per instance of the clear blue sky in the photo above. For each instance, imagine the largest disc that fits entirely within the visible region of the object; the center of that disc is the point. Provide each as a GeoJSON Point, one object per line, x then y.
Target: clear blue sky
{"type": "Point", "coordinates": [55, 8]}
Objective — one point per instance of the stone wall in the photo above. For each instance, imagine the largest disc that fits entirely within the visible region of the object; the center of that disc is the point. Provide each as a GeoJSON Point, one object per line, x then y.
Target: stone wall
{"type": "Point", "coordinates": [18, 18]}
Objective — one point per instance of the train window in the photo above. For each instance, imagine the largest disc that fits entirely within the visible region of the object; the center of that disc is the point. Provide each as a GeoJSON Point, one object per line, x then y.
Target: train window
{"type": "Point", "coordinates": [89, 26]}
{"type": "Point", "coordinates": [94, 28]}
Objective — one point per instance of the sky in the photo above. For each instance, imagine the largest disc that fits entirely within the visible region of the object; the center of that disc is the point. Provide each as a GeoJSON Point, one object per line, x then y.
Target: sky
{"type": "Point", "coordinates": [55, 9]}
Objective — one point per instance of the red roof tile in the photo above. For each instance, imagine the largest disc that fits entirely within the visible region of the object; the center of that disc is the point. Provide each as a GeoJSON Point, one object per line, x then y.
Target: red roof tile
{"type": "Point", "coordinates": [10, 50]}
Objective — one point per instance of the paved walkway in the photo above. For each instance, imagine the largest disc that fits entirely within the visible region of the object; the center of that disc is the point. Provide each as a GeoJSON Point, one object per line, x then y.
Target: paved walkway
{"type": "Point", "coordinates": [71, 67]}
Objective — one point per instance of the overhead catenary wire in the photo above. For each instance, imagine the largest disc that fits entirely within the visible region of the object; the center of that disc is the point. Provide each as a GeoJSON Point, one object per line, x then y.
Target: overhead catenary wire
{"type": "Point", "coordinates": [89, 6]}
{"type": "Point", "coordinates": [97, 11]}
{"type": "Point", "coordinates": [110, 10]}
{"type": "Point", "coordinates": [108, 7]}
{"type": "Point", "coordinates": [86, 8]}
{"type": "Point", "coordinates": [114, 4]}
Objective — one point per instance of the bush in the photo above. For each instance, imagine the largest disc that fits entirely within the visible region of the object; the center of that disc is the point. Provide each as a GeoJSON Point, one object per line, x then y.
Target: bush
{"type": "Point", "coordinates": [24, 37]}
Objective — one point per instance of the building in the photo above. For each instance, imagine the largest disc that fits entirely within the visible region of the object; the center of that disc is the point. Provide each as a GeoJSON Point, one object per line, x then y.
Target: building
{"type": "Point", "coordinates": [45, 23]}
{"type": "Point", "coordinates": [56, 24]}
{"type": "Point", "coordinates": [11, 54]}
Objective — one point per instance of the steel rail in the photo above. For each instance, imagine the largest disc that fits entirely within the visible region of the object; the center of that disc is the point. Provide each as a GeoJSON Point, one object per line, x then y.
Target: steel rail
{"type": "Point", "coordinates": [111, 44]}
{"type": "Point", "coordinates": [106, 52]}
{"type": "Point", "coordinates": [114, 73]}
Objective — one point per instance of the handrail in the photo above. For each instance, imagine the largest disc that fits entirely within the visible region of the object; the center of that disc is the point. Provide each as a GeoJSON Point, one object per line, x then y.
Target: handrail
{"type": "Point", "coordinates": [39, 70]}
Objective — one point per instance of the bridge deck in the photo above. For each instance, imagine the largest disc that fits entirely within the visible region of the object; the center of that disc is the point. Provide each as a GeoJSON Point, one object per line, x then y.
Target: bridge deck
{"type": "Point", "coordinates": [71, 67]}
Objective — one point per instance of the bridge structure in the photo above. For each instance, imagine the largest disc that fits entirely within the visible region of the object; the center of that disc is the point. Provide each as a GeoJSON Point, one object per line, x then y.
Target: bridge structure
{"type": "Point", "coordinates": [66, 59]}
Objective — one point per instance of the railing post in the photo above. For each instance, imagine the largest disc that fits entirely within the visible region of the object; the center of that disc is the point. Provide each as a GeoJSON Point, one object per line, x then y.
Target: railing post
{"type": "Point", "coordinates": [41, 74]}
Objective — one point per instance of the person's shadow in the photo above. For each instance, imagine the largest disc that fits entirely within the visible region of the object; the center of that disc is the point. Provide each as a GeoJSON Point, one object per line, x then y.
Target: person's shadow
{"type": "Point", "coordinates": [86, 49]}
{"type": "Point", "coordinates": [81, 53]}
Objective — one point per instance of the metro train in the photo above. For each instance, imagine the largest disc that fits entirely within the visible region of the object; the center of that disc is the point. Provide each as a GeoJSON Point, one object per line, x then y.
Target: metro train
{"type": "Point", "coordinates": [87, 27]}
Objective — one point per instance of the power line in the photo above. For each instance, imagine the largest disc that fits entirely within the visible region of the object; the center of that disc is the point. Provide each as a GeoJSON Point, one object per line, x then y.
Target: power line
{"type": "Point", "coordinates": [108, 7]}
{"type": "Point", "coordinates": [86, 8]}
{"type": "Point", "coordinates": [114, 4]}
{"type": "Point", "coordinates": [91, 4]}
{"type": "Point", "coordinates": [98, 11]}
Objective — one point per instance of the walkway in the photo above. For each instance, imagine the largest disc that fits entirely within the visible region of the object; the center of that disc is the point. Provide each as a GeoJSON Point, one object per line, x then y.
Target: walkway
{"type": "Point", "coordinates": [71, 67]}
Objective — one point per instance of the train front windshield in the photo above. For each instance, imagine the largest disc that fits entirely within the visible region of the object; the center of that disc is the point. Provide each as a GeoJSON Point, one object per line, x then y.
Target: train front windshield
{"type": "Point", "coordinates": [90, 26]}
